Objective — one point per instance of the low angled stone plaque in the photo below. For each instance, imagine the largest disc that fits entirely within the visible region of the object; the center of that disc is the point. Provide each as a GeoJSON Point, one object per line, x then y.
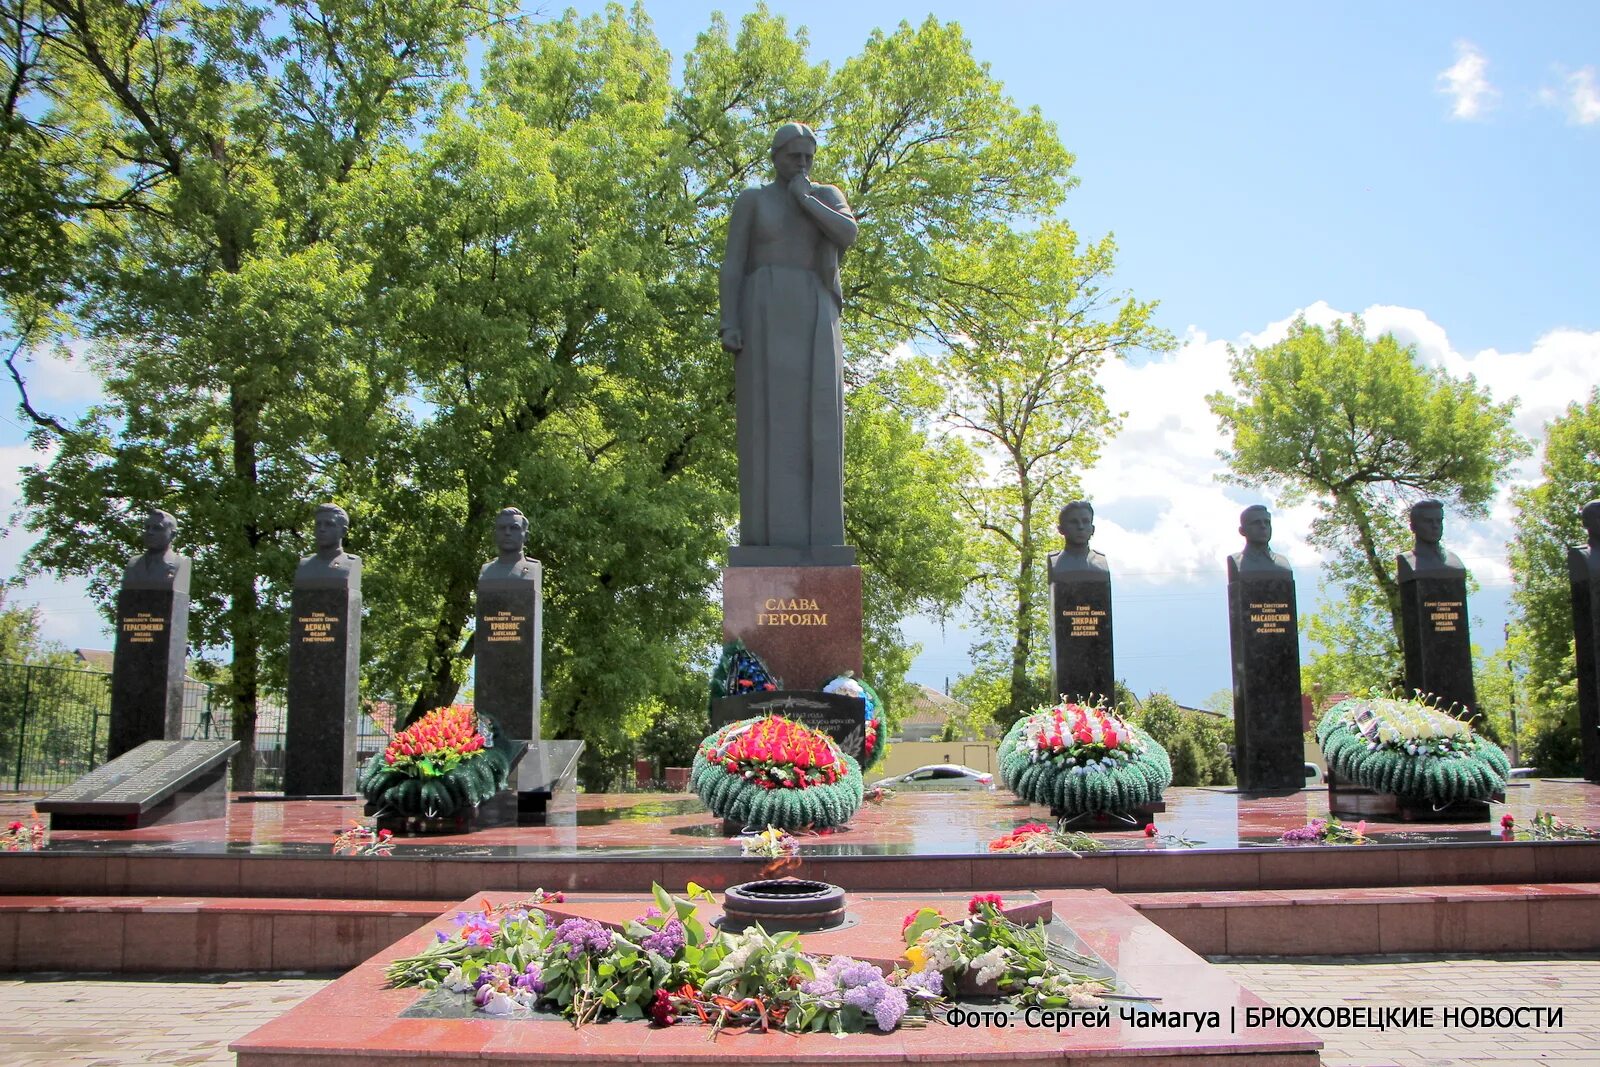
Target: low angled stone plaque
{"type": "Point", "coordinates": [152, 642]}
{"type": "Point", "coordinates": [841, 717]}
{"type": "Point", "coordinates": [1081, 663]}
{"type": "Point", "coordinates": [324, 665]}
{"type": "Point", "coordinates": [1583, 565]}
{"type": "Point", "coordinates": [157, 783]}
{"type": "Point", "coordinates": [506, 643]}
{"type": "Point", "coordinates": [1433, 609]}
{"type": "Point", "coordinates": [1269, 750]}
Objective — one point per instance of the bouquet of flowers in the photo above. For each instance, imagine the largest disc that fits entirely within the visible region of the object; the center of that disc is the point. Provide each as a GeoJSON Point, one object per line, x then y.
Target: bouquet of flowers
{"type": "Point", "coordinates": [987, 950]}
{"type": "Point", "coordinates": [1329, 831]}
{"type": "Point", "coordinates": [1079, 759]}
{"type": "Point", "coordinates": [775, 772]}
{"type": "Point", "coordinates": [871, 750]}
{"type": "Point", "coordinates": [1409, 749]}
{"type": "Point", "coordinates": [1035, 837]}
{"type": "Point", "coordinates": [450, 759]}
{"type": "Point", "coordinates": [741, 671]}
{"type": "Point", "coordinates": [665, 965]}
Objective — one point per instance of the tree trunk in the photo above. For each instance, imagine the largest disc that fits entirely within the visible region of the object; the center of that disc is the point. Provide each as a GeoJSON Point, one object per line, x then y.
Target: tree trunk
{"type": "Point", "coordinates": [1382, 572]}
{"type": "Point", "coordinates": [244, 616]}
{"type": "Point", "coordinates": [440, 686]}
{"type": "Point", "coordinates": [1023, 643]}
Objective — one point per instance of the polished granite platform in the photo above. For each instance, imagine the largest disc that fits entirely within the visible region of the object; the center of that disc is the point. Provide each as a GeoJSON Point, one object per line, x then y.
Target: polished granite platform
{"type": "Point", "coordinates": [359, 1020]}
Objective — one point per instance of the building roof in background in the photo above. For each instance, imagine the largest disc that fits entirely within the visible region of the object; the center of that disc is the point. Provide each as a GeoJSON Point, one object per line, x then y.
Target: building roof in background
{"type": "Point", "coordinates": [95, 659]}
{"type": "Point", "coordinates": [929, 706]}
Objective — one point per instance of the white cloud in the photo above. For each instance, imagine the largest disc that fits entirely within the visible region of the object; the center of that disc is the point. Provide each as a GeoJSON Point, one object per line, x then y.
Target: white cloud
{"type": "Point", "coordinates": [1162, 516]}
{"type": "Point", "coordinates": [1579, 97]}
{"type": "Point", "coordinates": [60, 379]}
{"type": "Point", "coordinates": [1466, 84]}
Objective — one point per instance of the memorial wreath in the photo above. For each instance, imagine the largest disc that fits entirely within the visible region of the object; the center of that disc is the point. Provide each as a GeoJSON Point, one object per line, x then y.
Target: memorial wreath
{"type": "Point", "coordinates": [1079, 759]}
{"type": "Point", "coordinates": [772, 771]}
{"type": "Point", "coordinates": [1409, 749]}
{"type": "Point", "coordinates": [871, 727]}
{"type": "Point", "coordinates": [448, 760]}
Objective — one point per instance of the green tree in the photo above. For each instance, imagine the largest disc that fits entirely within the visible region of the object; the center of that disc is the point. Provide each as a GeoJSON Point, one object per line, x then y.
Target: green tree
{"type": "Point", "coordinates": [1197, 744]}
{"type": "Point", "coordinates": [1022, 378]}
{"type": "Point", "coordinates": [1361, 428]}
{"type": "Point", "coordinates": [191, 160]}
{"type": "Point", "coordinates": [1547, 522]}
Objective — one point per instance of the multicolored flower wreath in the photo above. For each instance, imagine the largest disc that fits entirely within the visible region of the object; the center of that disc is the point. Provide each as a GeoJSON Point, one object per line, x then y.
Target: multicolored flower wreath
{"type": "Point", "coordinates": [871, 750]}
{"type": "Point", "coordinates": [772, 771]}
{"type": "Point", "coordinates": [448, 760]}
{"type": "Point", "coordinates": [741, 671]}
{"type": "Point", "coordinates": [1079, 759]}
{"type": "Point", "coordinates": [1409, 749]}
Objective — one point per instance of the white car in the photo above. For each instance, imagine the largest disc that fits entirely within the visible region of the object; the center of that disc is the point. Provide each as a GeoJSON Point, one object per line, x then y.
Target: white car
{"type": "Point", "coordinates": [940, 776]}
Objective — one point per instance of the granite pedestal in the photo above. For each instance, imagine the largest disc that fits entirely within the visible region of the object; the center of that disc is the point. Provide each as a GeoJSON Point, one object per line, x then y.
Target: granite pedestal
{"type": "Point", "coordinates": [1264, 636]}
{"type": "Point", "coordinates": [1583, 565]}
{"type": "Point", "coordinates": [804, 622]}
{"type": "Point", "coordinates": [1438, 644]}
{"type": "Point", "coordinates": [1081, 663]}
{"type": "Point", "coordinates": [324, 675]}
{"type": "Point", "coordinates": [506, 676]}
{"type": "Point", "coordinates": [147, 665]}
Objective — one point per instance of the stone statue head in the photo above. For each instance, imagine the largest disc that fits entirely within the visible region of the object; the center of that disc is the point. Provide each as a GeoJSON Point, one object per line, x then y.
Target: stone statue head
{"type": "Point", "coordinates": [510, 531]}
{"type": "Point", "coordinates": [329, 528]}
{"type": "Point", "coordinates": [1591, 520]}
{"type": "Point", "coordinates": [159, 530]}
{"type": "Point", "coordinates": [1427, 522]}
{"type": "Point", "coordinates": [1076, 523]}
{"type": "Point", "coordinates": [794, 146]}
{"type": "Point", "coordinates": [1255, 526]}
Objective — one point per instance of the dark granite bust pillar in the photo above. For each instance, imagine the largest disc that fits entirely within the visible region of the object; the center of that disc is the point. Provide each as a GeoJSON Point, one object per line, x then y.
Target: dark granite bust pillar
{"type": "Point", "coordinates": [1433, 608]}
{"type": "Point", "coordinates": [152, 642]}
{"type": "Point", "coordinates": [506, 644]}
{"type": "Point", "coordinates": [324, 666]}
{"type": "Point", "coordinates": [1081, 664]}
{"type": "Point", "coordinates": [1269, 753]}
{"type": "Point", "coordinates": [1583, 566]}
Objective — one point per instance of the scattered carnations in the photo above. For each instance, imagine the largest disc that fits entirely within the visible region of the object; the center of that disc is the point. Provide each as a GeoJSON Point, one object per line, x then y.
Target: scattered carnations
{"type": "Point", "coordinates": [1037, 837]}
{"type": "Point", "coordinates": [1328, 831]}
{"type": "Point", "coordinates": [437, 743]}
{"type": "Point", "coordinates": [1150, 829]}
{"type": "Point", "coordinates": [778, 753]}
{"type": "Point", "coordinates": [20, 838]}
{"type": "Point", "coordinates": [1507, 822]}
{"type": "Point", "coordinates": [980, 899]}
{"type": "Point", "coordinates": [361, 839]}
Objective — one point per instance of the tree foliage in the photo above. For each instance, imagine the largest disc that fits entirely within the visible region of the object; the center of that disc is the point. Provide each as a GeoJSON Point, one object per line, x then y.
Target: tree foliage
{"type": "Point", "coordinates": [311, 259]}
{"type": "Point", "coordinates": [1362, 429]}
{"type": "Point", "coordinates": [1547, 523]}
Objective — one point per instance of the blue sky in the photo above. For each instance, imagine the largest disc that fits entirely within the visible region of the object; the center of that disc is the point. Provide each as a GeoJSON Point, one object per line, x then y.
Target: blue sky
{"type": "Point", "coordinates": [1430, 165]}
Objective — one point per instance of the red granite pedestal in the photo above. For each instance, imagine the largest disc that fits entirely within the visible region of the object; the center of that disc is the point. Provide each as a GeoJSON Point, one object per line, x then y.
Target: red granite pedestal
{"type": "Point", "coordinates": [803, 622]}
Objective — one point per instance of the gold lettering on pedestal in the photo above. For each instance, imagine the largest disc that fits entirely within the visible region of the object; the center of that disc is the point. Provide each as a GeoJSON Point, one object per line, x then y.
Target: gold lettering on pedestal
{"type": "Point", "coordinates": [504, 626]}
{"type": "Point", "coordinates": [1443, 614]}
{"type": "Point", "coordinates": [791, 611]}
{"type": "Point", "coordinates": [142, 627]}
{"type": "Point", "coordinates": [1269, 617]}
{"type": "Point", "coordinates": [316, 628]}
{"type": "Point", "coordinates": [1085, 620]}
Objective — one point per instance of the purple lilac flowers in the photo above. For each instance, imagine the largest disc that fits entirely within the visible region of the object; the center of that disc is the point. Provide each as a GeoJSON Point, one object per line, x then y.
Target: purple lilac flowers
{"type": "Point", "coordinates": [582, 934]}
{"type": "Point", "coordinates": [860, 985]}
{"type": "Point", "coordinates": [667, 941]}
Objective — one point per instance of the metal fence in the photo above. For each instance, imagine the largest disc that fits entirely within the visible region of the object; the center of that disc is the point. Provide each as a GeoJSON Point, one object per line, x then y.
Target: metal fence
{"type": "Point", "coordinates": [55, 724]}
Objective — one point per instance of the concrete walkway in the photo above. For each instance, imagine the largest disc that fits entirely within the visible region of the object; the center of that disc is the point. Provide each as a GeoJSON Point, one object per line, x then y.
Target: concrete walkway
{"type": "Point", "coordinates": [87, 1021]}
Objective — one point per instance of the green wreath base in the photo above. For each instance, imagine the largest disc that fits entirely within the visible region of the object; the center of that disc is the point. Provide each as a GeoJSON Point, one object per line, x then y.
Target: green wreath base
{"type": "Point", "coordinates": [1132, 784]}
{"type": "Point", "coordinates": [468, 784]}
{"type": "Point", "coordinates": [1479, 773]}
{"type": "Point", "coordinates": [737, 800]}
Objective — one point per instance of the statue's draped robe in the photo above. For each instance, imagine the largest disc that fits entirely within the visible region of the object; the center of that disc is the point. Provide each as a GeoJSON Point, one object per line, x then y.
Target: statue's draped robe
{"type": "Point", "coordinates": [781, 281]}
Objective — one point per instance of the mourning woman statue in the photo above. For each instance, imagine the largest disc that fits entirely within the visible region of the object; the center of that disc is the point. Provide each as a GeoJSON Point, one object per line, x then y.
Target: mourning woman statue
{"type": "Point", "coordinates": [158, 566]}
{"type": "Point", "coordinates": [781, 300]}
{"type": "Point", "coordinates": [510, 535]}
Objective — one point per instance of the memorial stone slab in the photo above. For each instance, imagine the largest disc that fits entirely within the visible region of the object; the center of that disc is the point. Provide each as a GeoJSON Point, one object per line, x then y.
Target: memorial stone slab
{"type": "Point", "coordinates": [1438, 643]}
{"type": "Point", "coordinates": [159, 782]}
{"type": "Point", "coordinates": [1583, 566]}
{"type": "Point", "coordinates": [838, 715]}
{"type": "Point", "coordinates": [1264, 635]}
{"type": "Point", "coordinates": [324, 665]}
{"type": "Point", "coordinates": [506, 676]}
{"type": "Point", "coordinates": [147, 664]}
{"type": "Point", "coordinates": [1081, 661]}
